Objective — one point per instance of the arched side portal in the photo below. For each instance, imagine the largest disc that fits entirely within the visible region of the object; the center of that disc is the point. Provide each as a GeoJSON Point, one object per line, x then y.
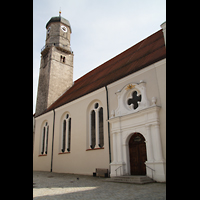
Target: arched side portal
{"type": "Point", "coordinates": [137, 154]}
{"type": "Point", "coordinates": [146, 149]}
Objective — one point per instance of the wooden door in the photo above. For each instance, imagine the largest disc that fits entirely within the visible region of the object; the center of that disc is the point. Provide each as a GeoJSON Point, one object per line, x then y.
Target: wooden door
{"type": "Point", "coordinates": [137, 152]}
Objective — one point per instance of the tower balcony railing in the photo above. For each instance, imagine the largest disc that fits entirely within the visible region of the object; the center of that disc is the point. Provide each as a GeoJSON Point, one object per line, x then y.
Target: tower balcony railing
{"type": "Point", "coordinates": [66, 48]}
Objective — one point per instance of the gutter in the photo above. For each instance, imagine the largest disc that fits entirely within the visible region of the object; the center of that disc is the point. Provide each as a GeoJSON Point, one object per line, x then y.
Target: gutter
{"type": "Point", "coordinates": [52, 140]}
{"type": "Point", "coordinates": [108, 123]}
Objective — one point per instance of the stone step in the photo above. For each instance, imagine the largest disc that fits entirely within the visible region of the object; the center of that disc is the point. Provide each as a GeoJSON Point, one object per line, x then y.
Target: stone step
{"type": "Point", "coordinates": [131, 179]}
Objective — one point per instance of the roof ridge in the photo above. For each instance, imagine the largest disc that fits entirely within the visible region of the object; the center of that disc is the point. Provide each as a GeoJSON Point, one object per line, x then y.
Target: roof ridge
{"type": "Point", "coordinates": [138, 49]}
{"type": "Point", "coordinates": [117, 68]}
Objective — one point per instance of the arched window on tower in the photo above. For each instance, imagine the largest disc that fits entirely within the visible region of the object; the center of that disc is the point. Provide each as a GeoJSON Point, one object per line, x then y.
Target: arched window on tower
{"type": "Point", "coordinates": [64, 59]}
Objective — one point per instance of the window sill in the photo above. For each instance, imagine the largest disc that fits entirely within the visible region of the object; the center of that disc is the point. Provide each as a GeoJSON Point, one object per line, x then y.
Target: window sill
{"type": "Point", "coordinates": [94, 149]}
{"type": "Point", "coordinates": [63, 153]}
{"type": "Point", "coordinates": [42, 155]}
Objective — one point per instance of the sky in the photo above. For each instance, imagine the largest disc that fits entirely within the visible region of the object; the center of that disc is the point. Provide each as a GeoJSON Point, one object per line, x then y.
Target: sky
{"type": "Point", "coordinates": [101, 29]}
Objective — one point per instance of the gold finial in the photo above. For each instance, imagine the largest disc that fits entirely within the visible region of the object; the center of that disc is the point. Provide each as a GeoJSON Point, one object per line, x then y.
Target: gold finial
{"type": "Point", "coordinates": [60, 12]}
{"type": "Point", "coordinates": [130, 86]}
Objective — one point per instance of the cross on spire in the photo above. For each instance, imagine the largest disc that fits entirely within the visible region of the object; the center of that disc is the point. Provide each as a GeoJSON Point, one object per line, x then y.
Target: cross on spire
{"type": "Point", "coordinates": [134, 100]}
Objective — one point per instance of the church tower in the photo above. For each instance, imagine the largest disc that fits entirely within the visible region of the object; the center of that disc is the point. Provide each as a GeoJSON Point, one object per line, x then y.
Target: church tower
{"type": "Point", "coordinates": [56, 67]}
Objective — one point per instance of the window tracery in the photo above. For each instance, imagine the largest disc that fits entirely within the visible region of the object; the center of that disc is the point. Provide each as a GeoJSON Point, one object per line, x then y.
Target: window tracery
{"type": "Point", "coordinates": [131, 98]}
{"type": "Point", "coordinates": [44, 145]}
{"type": "Point", "coordinates": [66, 134]}
{"type": "Point", "coordinates": [134, 101]}
{"type": "Point", "coordinates": [96, 135]}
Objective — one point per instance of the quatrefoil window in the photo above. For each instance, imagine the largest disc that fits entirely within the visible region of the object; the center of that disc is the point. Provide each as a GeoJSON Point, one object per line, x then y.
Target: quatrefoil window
{"type": "Point", "coordinates": [134, 100]}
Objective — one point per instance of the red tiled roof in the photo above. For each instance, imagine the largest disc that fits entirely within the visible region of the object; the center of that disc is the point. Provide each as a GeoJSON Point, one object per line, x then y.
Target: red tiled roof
{"type": "Point", "coordinates": [139, 56]}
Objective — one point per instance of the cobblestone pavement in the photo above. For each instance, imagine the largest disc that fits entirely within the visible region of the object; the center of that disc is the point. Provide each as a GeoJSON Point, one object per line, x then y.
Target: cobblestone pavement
{"type": "Point", "coordinates": [48, 185]}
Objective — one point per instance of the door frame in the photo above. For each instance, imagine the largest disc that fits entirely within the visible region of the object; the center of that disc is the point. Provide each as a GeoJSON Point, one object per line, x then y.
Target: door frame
{"type": "Point", "coordinates": [132, 135]}
{"type": "Point", "coordinates": [126, 149]}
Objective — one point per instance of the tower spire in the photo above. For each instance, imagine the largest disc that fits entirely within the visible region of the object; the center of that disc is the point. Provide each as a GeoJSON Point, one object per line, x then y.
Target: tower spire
{"type": "Point", "coordinates": [60, 12]}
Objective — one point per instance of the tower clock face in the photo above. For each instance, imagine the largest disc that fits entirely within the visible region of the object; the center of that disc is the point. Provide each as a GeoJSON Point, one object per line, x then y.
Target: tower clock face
{"type": "Point", "coordinates": [64, 28]}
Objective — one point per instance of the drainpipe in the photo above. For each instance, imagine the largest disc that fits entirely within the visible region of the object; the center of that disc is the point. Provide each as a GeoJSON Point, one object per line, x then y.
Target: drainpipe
{"type": "Point", "coordinates": [52, 139]}
{"type": "Point", "coordinates": [108, 123]}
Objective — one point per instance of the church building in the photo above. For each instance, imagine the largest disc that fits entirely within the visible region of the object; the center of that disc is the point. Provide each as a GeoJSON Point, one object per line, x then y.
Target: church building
{"type": "Point", "coordinates": [113, 117]}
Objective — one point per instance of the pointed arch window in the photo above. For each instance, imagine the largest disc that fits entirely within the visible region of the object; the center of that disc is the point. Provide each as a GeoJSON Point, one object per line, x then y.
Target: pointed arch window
{"type": "Point", "coordinates": [45, 133]}
{"type": "Point", "coordinates": [96, 135]}
{"type": "Point", "coordinates": [66, 134]}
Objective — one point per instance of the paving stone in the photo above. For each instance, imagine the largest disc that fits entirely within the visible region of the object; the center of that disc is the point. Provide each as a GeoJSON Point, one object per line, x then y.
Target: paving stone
{"type": "Point", "coordinates": [48, 185]}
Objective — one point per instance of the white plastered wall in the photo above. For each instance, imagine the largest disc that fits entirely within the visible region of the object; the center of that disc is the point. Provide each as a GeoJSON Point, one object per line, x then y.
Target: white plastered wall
{"type": "Point", "coordinates": [124, 124]}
